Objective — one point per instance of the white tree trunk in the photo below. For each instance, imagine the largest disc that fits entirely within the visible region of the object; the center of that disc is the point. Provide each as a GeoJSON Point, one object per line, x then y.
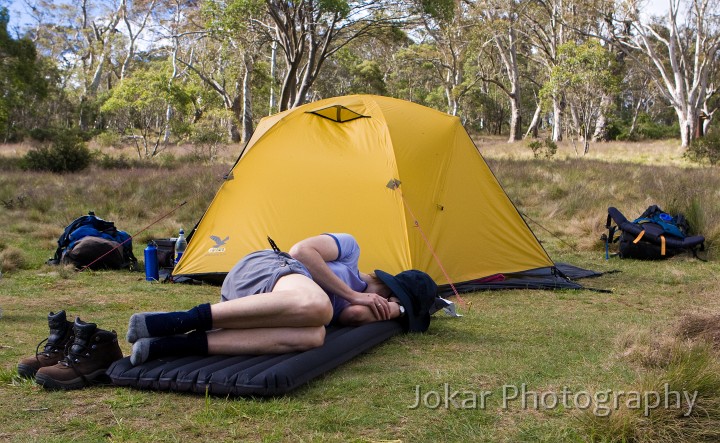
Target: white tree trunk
{"type": "Point", "coordinates": [600, 133]}
{"type": "Point", "coordinates": [681, 66]}
{"type": "Point", "coordinates": [247, 115]}
{"type": "Point", "coordinates": [515, 121]}
{"type": "Point", "coordinates": [557, 128]}
{"type": "Point", "coordinates": [273, 61]}
{"type": "Point", "coordinates": [533, 128]}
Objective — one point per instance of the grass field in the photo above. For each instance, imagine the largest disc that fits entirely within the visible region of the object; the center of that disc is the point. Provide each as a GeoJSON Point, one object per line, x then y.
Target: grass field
{"type": "Point", "coordinates": [658, 329]}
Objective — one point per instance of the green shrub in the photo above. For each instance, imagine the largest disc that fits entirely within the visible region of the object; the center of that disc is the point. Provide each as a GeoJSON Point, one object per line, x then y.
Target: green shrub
{"type": "Point", "coordinates": [8, 163]}
{"type": "Point", "coordinates": [615, 130]}
{"type": "Point", "coordinates": [66, 152]}
{"type": "Point", "coordinates": [547, 148]}
{"type": "Point", "coordinates": [42, 134]}
{"type": "Point", "coordinates": [51, 133]}
{"type": "Point", "coordinates": [168, 161]}
{"type": "Point", "coordinates": [106, 161]}
{"type": "Point", "coordinates": [705, 149]}
{"type": "Point", "coordinates": [536, 147]}
{"type": "Point", "coordinates": [209, 135]}
{"type": "Point", "coordinates": [109, 139]}
{"type": "Point", "coordinates": [550, 148]}
{"type": "Point", "coordinates": [647, 128]}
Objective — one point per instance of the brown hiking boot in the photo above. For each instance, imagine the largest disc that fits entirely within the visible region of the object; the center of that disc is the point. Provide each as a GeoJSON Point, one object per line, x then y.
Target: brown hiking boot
{"type": "Point", "coordinates": [61, 331]}
{"type": "Point", "coordinates": [92, 352]}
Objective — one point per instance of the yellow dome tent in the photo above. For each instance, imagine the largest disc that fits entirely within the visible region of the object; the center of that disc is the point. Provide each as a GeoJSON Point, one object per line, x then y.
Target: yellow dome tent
{"type": "Point", "coordinates": [375, 167]}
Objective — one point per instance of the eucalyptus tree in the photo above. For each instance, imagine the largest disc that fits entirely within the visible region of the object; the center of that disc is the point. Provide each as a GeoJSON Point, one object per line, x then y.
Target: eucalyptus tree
{"type": "Point", "coordinates": [22, 79]}
{"type": "Point", "coordinates": [309, 32]}
{"type": "Point", "coordinates": [367, 65]}
{"type": "Point", "coordinates": [681, 52]}
{"type": "Point", "coordinates": [171, 26]}
{"type": "Point", "coordinates": [546, 30]}
{"type": "Point", "coordinates": [415, 79]}
{"type": "Point", "coordinates": [137, 105]}
{"type": "Point", "coordinates": [443, 43]}
{"type": "Point", "coordinates": [534, 79]}
{"type": "Point", "coordinates": [222, 50]}
{"type": "Point", "coordinates": [93, 42]}
{"type": "Point", "coordinates": [501, 23]}
{"type": "Point", "coordinates": [53, 28]}
{"type": "Point", "coordinates": [639, 95]}
{"type": "Point", "coordinates": [589, 22]}
{"type": "Point", "coordinates": [135, 16]}
{"type": "Point", "coordinates": [585, 73]}
{"type": "Point", "coordinates": [96, 35]}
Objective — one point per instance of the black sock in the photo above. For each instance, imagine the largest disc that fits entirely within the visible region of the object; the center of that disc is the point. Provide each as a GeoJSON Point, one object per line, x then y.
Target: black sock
{"type": "Point", "coordinates": [170, 323]}
{"type": "Point", "coordinates": [194, 343]}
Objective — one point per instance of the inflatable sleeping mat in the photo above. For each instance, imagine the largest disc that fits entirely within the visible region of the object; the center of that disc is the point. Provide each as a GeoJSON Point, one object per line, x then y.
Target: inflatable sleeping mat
{"type": "Point", "coordinates": [258, 375]}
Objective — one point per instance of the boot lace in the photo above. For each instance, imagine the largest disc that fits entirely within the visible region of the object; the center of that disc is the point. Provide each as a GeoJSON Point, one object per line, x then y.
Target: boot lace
{"type": "Point", "coordinates": [37, 349]}
{"type": "Point", "coordinates": [50, 347]}
{"type": "Point", "coordinates": [72, 358]}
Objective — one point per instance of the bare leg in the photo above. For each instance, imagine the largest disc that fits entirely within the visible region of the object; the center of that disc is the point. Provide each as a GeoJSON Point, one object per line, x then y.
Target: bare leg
{"type": "Point", "coordinates": [295, 301]}
{"type": "Point", "coordinates": [264, 340]}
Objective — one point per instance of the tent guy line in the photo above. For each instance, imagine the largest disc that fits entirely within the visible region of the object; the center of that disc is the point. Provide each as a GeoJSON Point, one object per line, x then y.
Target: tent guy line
{"type": "Point", "coordinates": [394, 185]}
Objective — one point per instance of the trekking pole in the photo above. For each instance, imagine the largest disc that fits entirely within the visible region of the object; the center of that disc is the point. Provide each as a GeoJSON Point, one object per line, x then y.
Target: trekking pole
{"type": "Point", "coordinates": [394, 184]}
{"type": "Point", "coordinates": [133, 236]}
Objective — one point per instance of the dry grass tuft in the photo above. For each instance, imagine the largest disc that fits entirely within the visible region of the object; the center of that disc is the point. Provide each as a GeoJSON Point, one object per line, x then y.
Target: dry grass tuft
{"type": "Point", "coordinates": [646, 349]}
{"type": "Point", "coordinates": [699, 326]}
{"type": "Point", "coordinates": [654, 349]}
{"type": "Point", "coordinates": [12, 259]}
{"type": "Point", "coordinates": [46, 231]}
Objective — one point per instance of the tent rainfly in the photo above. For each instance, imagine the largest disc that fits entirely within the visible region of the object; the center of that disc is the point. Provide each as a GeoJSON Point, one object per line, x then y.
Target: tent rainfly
{"type": "Point", "coordinates": [406, 180]}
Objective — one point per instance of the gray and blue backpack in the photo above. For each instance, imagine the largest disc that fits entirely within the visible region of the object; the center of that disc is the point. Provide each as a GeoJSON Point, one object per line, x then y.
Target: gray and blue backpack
{"type": "Point", "coordinates": [90, 241]}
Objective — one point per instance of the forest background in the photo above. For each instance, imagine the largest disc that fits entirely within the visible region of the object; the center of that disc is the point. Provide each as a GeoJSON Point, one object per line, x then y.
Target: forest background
{"type": "Point", "coordinates": [152, 73]}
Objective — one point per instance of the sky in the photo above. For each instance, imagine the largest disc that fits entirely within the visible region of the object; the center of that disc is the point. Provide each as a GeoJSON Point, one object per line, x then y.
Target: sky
{"type": "Point", "coordinates": [17, 14]}
{"type": "Point", "coordinates": [656, 7]}
{"type": "Point", "coordinates": [18, 17]}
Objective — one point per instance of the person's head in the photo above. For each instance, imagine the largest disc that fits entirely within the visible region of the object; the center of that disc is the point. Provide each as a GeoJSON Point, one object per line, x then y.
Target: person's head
{"type": "Point", "coordinates": [376, 286]}
{"type": "Point", "coordinates": [416, 291]}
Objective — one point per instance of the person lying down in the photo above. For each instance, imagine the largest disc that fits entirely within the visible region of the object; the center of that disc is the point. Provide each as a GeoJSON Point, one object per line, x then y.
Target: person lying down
{"type": "Point", "coordinates": [274, 302]}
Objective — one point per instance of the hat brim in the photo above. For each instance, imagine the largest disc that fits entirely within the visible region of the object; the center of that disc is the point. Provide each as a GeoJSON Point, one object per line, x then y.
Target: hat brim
{"type": "Point", "coordinates": [410, 321]}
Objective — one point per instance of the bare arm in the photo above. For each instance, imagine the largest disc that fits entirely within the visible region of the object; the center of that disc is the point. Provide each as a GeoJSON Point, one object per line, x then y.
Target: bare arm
{"type": "Point", "coordinates": [359, 315]}
{"type": "Point", "coordinates": [314, 253]}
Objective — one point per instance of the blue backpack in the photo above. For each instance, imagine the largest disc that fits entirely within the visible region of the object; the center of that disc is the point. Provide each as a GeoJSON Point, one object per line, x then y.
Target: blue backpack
{"type": "Point", "coordinates": [90, 240]}
{"type": "Point", "coordinates": [655, 235]}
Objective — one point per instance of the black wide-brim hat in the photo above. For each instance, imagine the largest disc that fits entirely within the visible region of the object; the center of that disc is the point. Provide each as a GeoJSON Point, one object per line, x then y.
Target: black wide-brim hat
{"type": "Point", "coordinates": [416, 291]}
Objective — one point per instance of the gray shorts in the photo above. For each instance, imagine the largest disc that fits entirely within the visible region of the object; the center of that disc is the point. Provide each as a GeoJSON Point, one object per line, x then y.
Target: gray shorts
{"type": "Point", "coordinates": [258, 273]}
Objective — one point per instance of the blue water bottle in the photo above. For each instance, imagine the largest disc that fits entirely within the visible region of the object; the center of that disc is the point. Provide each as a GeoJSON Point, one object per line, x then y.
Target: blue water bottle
{"type": "Point", "coordinates": [151, 262]}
